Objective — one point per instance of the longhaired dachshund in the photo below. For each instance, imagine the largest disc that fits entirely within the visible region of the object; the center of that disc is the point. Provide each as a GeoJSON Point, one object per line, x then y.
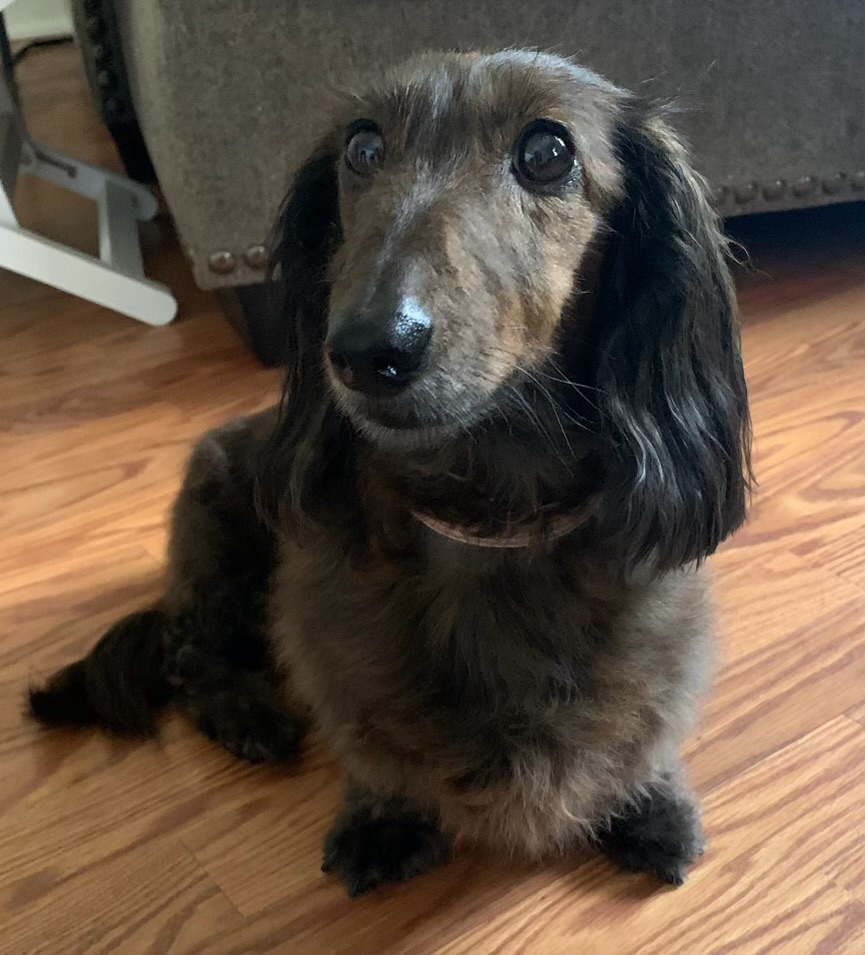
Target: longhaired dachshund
{"type": "Point", "coordinates": [467, 545]}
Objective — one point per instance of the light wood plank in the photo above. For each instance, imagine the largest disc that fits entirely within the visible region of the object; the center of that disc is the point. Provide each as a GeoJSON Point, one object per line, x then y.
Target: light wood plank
{"type": "Point", "coordinates": [151, 900]}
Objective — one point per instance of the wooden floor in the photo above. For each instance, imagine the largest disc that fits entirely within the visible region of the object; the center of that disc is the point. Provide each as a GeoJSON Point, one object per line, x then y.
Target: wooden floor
{"type": "Point", "coordinates": [172, 847]}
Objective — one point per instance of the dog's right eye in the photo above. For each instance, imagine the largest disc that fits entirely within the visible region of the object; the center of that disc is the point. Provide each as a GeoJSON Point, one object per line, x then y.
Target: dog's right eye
{"type": "Point", "coordinates": [364, 150]}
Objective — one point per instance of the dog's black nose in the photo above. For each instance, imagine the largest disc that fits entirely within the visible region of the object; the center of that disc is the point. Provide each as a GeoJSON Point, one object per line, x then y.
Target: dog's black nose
{"type": "Point", "coordinates": [380, 357]}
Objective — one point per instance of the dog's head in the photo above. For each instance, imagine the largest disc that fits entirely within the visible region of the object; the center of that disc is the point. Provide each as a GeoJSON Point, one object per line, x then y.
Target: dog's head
{"type": "Point", "coordinates": [479, 229]}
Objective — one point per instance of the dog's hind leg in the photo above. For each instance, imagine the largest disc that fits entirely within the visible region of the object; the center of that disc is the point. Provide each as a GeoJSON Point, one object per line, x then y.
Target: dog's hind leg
{"type": "Point", "coordinates": [241, 710]}
{"type": "Point", "coordinates": [204, 646]}
{"type": "Point", "coordinates": [220, 560]}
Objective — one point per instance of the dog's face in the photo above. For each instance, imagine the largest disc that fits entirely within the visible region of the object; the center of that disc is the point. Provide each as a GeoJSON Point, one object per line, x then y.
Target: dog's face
{"type": "Point", "coordinates": [470, 189]}
{"type": "Point", "coordinates": [480, 244]}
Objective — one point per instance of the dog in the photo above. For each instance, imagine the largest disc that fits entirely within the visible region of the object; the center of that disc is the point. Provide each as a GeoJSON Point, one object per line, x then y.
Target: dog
{"type": "Point", "coordinates": [467, 545]}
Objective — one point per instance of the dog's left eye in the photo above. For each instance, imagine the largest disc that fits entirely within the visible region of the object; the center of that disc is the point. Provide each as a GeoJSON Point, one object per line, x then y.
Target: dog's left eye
{"type": "Point", "coordinates": [545, 155]}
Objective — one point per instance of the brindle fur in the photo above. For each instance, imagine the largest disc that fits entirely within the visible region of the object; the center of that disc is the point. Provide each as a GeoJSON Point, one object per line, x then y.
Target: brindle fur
{"type": "Point", "coordinates": [585, 356]}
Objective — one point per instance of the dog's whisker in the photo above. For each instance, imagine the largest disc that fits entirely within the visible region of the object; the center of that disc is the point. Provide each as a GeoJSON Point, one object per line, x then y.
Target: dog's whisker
{"type": "Point", "coordinates": [555, 404]}
{"type": "Point", "coordinates": [578, 387]}
{"type": "Point", "coordinates": [535, 419]}
{"type": "Point", "coordinates": [545, 393]}
{"type": "Point", "coordinates": [564, 380]}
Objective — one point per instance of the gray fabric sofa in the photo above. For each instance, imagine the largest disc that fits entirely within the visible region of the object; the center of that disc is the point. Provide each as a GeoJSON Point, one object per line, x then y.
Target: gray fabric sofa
{"type": "Point", "coordinates": [228, 96]}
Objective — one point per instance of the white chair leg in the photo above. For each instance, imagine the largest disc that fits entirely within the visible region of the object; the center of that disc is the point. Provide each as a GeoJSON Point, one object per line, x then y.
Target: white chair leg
{"type": "Point", "coordinates": [45, 261]}
{"type": "Point", "coordinates": [116, 279]}
{"type": "Point", "coordinates": [77, 176]}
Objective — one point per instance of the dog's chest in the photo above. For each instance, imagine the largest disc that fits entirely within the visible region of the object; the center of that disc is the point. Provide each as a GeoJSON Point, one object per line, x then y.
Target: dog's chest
{"type": "Point", "coordinates": [461, 684]}
{"type": "Point", "coordinates": [405, 654]}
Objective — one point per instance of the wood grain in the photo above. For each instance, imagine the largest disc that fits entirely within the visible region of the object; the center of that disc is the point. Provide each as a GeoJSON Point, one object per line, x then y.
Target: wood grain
{"type": "Point", "coordinates": [170, 846]}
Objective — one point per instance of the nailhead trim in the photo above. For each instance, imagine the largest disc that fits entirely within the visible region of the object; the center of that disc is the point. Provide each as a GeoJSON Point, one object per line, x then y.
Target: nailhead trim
{"type": "Point", "coordinates": [804, 186]}
{"type": "Point", "coordinates": [222, 262]}
{"type": "Point", "coordinates": [773, 191]}
{"type": "Point", "coordinates": [256, 256]}
{"type": "Point", "coordinates": [776, 189]}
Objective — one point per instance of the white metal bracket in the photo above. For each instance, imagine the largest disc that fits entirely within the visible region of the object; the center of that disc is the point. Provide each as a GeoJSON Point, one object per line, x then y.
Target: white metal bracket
{"type": "Point", "coordinates": [116, 279]}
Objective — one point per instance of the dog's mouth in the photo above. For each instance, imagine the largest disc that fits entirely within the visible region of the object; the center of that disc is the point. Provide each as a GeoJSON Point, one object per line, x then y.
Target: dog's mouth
{"type": "Point", "coordinates": [400, 420]}
{"type": "Point", "coordinates": [413, 418]}
{"type": "Point", "coordinates": [393, 414]}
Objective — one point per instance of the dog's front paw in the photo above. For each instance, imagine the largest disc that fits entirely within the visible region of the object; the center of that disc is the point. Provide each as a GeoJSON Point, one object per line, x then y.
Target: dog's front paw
{"type": "Point", "coordinates": [659, 834]}
{"type": "Point", "coordinates": [367, 851]}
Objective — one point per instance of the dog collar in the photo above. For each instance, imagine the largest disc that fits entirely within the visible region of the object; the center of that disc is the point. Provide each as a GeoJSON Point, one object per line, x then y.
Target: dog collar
{"type": "Point", "coordinates": [560, 526]}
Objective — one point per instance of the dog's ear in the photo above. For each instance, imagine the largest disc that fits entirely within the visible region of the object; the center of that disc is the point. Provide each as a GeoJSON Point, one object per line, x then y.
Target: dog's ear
{"type": "Point", "coordinates": [670, 381]}
{"type": "Point", "coordinates": [306, 235]}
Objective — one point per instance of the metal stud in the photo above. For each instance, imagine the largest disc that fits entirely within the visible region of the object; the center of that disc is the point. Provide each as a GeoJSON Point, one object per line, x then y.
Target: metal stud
{"type": "Point", "coordinates": [745, 193]}
{"type": "Point", "coordinates": [256, 256]}
{"type": "Point", "coordinates": [774, 190]}
{"type": "Point", "coordinates": [719, 194]}
{"type": "Point", "coordinates": [222, 262]}
{"type": "Point", "coordinates": [833, 184]}
{"type": "Point", "coordinates": [804, 186]}
{"type": "Point", "coordinates": [857, 181]}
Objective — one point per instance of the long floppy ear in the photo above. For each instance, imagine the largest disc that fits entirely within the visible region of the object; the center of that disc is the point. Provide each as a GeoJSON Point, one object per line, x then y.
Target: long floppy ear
{"type": "Point", "coordinates": [670, 380]}
{"type": "Point", "coordinates": [308, 431]}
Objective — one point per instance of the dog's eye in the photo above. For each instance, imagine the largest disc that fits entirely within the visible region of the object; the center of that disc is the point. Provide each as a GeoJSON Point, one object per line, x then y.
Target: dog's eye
{"type": "Point", "coordinates": [545, 155]}
{"type": "Point", "coordinates": [364, 150]}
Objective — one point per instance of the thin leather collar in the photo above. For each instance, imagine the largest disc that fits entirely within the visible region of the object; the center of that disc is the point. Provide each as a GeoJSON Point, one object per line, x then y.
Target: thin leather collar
{"type": "Point", "coordinates": [560, 526]}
